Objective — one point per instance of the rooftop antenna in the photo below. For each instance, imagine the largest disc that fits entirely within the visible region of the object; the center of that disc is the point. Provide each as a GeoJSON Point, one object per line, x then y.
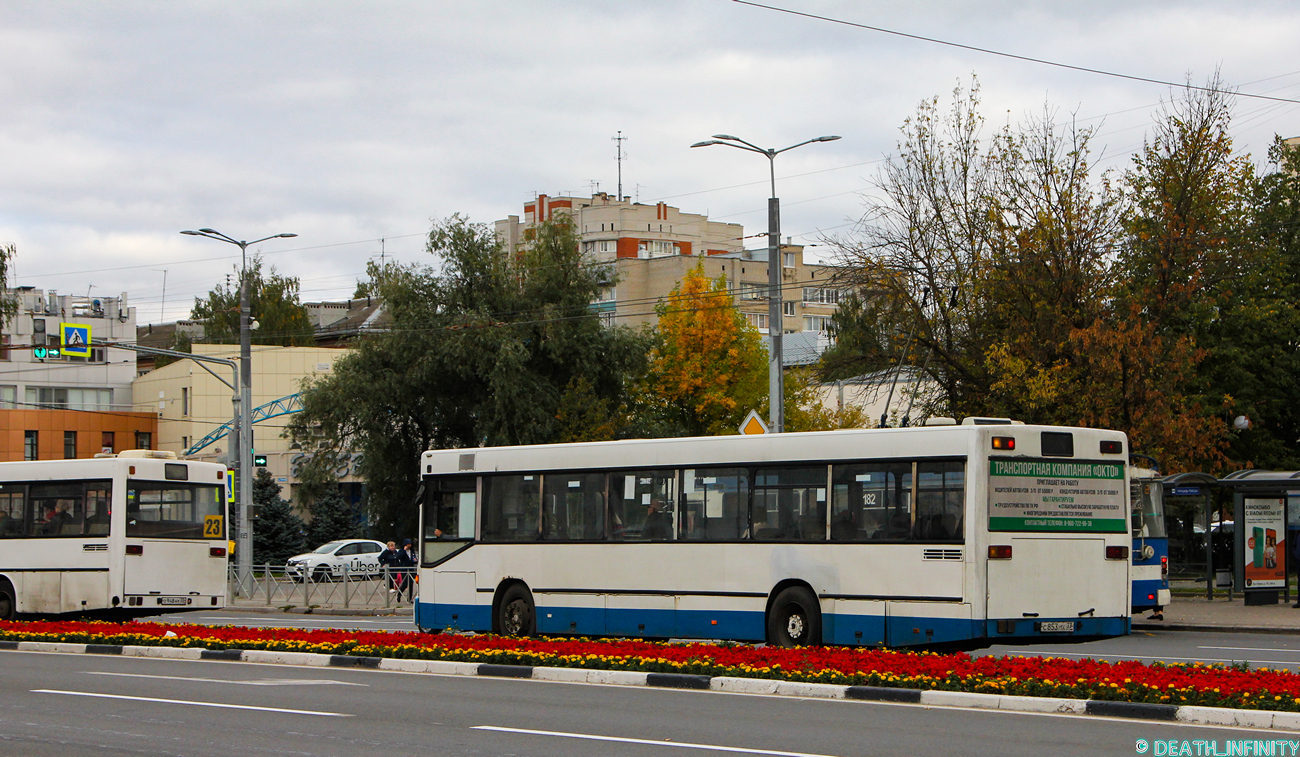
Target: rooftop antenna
{"type": "Point", "coordinates": [162, 309]}
{"type": "Point", "coordinates": [382, 252]}
{"type": "Point", "coordinates": [619, 140]}
{"type": "Point", "coordinates": [595, 186]}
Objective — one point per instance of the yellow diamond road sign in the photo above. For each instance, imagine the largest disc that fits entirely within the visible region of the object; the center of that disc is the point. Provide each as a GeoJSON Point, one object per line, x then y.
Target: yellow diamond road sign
{"type": "Point", "coordinates": [753, 424]}
{"type": "Point", "coordinates": [75, 338]}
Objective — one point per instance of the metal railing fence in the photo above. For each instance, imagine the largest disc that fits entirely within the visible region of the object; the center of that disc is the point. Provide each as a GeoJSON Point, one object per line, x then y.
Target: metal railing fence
{"type": "Point", "coordinates": [276, 585]}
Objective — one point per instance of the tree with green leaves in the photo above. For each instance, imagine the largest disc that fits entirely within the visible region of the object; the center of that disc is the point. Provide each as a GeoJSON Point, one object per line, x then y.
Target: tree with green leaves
{"type": "Point", "coordinates": [8, 303]}
{"type": "Point", "coordinates": [333, 518]}
{"type": "Point", "coordinates": [482, 350]}
{"type": "Point", "coordinates": [278, 533]}
{"type": "Point", "coordinates": [273, 302]}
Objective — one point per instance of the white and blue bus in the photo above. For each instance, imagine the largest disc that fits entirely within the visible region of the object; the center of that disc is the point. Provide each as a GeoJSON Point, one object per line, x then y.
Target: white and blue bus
{"type": "Point", "coordinates": [139, 532]}
{"type": "Point", "coordinates": [1150, 541]}
{"type": "Point", "coordinates": [984, 531]}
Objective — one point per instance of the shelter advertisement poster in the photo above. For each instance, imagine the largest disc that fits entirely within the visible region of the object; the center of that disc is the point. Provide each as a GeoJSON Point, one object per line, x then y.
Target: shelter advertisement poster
{"type": "Point", "coordinates": [1033, 494]}
{"type": "Point", "coordinates": [1265, 525]}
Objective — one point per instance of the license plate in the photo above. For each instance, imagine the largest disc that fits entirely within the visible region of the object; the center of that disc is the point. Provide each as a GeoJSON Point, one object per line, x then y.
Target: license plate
{"type": "Point", "coordinates": [1056, 626]}
{"type": "Point", "coordinates": [183, 601]}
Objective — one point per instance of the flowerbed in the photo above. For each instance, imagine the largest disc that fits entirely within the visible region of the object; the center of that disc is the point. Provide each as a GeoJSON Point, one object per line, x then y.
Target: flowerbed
{"type": "Point", "coordinates": [1209, 685]}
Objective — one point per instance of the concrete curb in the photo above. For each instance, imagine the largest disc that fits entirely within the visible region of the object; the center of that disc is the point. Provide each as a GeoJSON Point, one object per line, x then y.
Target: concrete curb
{"type": "Point", "coordinates": [1258, 719]}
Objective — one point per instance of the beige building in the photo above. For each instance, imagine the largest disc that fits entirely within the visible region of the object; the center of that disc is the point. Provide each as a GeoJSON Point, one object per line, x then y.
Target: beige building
{"type": "Point", "coordinates": [190, 403]}
{"type": "Point", "coordinates": [650, 248]}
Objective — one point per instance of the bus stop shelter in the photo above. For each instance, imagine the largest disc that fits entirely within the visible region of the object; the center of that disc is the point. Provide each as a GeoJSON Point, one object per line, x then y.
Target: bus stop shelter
{"type": "Point", "coordinates": [1260, 541]}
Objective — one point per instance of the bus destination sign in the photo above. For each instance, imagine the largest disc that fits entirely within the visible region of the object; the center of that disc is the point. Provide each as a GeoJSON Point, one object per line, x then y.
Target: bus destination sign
{"type": "Point", "coordinates": [1033, 494]}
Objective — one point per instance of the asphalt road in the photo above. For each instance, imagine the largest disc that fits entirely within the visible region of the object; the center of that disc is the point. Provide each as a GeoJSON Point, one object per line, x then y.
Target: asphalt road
{"type": "Point", "coordinates": [71, 705]}
{"type": "Point", "coordinates": [1258, 650]}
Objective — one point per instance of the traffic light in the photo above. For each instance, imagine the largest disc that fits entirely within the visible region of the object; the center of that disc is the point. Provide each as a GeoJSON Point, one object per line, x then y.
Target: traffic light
{"type": "Point", "coordinates": [259, 461]}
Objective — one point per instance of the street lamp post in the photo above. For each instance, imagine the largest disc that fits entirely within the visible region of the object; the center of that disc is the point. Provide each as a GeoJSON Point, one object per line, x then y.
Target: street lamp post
{"type": "Point", "coordinates": [242, 451]}
{"type": "Point", "coordinates": [775, 376]}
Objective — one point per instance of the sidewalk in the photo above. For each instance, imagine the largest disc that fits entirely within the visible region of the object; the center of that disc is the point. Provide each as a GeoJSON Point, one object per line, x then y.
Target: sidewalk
{"type": "Point", "coordinates": [1200, 614]}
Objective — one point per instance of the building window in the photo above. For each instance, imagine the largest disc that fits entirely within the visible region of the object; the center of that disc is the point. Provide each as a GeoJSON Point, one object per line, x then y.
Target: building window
{"type": "Point", "coordinates": [655, 248]}
{"type": "Point", "coordinates": [65, 398]}
{"type": "Point", "coordinates": [69, 445]}
{"type": "Point", "coordinates": [752, 291]}
{"type": "Point", "coordinates": [817, 323]}
{"type": "Point", "coordinates": [787, 309]}
{"type": "Point", "coordinates": [757, 320]}
{"type": "Point", "coordinates": [818, 296]}
{"type": "Point", "coordinates": [8, 397]}
{"type": "Point", "coordinates": [185, 400]}
{"type": "Point", "coordinates": [29, 445]}
{"type": "Point", "coordinates": [4, 347]}
{"type": "Point", "coordinates": [607, 319]}
{"type": "Point", "coordinates": [143, 440]}
{"type": "Point", "coordinates": [185, 442]}
{"type": "Point", "coordinates": [107, 442]}
{"type": "Point", "coordinates": [789, 259]}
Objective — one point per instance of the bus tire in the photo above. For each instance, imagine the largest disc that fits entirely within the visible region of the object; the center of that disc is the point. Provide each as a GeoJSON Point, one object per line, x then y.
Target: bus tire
{"type": "Point", "coordinates": [8, 605]}
{"type": "Point", "coordinates": [795, 619]}
{"type": "Point", "coordinates": [517, 615]}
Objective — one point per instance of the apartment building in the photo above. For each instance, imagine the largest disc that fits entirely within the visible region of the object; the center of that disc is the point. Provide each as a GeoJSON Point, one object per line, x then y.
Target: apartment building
{"type": "Point", "coordinates": [55, 405]}
{"type": "Point", "coordinates": [650, 248]}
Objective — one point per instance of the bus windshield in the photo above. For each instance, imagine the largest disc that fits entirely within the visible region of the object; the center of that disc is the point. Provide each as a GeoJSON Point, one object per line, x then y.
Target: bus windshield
{"type": "Point", "coordinates": [1148, 508]}
{"type": "Point", "coordinates": [174, 510]}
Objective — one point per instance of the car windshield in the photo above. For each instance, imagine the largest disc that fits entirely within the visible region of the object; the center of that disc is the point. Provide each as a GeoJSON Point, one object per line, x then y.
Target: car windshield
{"type": "Point", "coordinates": [326, 549]}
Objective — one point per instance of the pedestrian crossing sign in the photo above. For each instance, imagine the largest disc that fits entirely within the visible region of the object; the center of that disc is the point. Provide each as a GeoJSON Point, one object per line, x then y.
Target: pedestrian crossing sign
{"type": "Point", "coordinates": [75, 338]}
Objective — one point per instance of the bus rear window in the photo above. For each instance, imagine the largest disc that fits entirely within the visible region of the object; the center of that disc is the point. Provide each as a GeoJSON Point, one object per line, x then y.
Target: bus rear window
{"type": "Point", "coordinates": [174, 510]}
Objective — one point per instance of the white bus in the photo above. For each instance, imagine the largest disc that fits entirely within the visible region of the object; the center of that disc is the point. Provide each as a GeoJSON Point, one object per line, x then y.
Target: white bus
{"type": "Point", "coordinates": [140, 532]}
{"type": "Point", "coordinates": [982, 531]}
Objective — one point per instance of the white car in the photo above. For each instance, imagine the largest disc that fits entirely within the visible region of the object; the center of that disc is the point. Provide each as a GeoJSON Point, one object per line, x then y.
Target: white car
{"type": "Point", "coordinates": [325, 563]}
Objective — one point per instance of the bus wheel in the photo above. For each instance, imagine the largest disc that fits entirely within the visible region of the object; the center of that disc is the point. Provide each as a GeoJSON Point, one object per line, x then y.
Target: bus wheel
{"type": "Point", "coordinates": [517, 616]}
{"type": "Point", "coordinates": [7, 603]}
{"type": "Point", "coordinates": [795, 619]}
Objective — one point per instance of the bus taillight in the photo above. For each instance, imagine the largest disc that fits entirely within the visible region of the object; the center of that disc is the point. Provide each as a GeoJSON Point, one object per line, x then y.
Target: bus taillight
{"type": "Point", "coordinates": [1000, 552]}
{"type": "Point", "coordinates": [1004, 442]}
{"type": "Point", "coordinates": [1116, 553]}
{"type": "Point", "coordinates": [216, 552]}
{"type": "Point", "coordinates": [135, 549]}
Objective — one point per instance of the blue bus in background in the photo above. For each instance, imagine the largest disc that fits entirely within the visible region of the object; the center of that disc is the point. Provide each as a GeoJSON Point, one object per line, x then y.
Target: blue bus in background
{"type": "Point", "coordinates": [1150, 574]}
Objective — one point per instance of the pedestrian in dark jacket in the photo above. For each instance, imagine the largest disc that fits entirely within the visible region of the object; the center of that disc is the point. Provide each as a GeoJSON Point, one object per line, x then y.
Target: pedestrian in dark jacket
{"type": "Point", "coordinates": [406, 566]}
{"type": "Point", "coordinates": [388, 559]}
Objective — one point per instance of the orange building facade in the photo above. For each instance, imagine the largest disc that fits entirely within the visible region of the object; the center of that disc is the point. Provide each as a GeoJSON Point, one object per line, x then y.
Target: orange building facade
{"type": "Point", "coordinates": [61, 434]}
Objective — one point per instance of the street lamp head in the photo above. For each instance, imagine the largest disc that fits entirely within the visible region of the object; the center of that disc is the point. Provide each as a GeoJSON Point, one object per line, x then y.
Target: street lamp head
{"type": "Point", "coordinates": [825, 139]}
{"type": "Point", "coordinates": [726, 136]}
{"type": "Point", "coordinates": [193, 233]}
{"type": "Point", "coordinates": [208, 231]}
{"type": "Point", "coordinates": [287, 236]}
{"type": "Point", "coordinates": [706, 143]}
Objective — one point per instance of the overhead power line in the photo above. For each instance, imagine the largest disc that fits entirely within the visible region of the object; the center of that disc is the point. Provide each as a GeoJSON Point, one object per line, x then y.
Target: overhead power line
{"type": "Point", "coordinates": [987, 51]}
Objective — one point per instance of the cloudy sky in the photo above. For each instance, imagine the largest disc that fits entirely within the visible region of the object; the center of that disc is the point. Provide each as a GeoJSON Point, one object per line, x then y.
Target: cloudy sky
{"type": "Point", "coordinates": [350, 123]}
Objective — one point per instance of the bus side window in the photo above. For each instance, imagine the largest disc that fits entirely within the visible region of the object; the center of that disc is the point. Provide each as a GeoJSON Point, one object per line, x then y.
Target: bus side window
{"type": "Point", "coordinates": [510, 507]}
{"type": "Point", "coordinates": [573, 506]}
{"type": "Point", "coordinates": [871, 502]}
{"type": "Point", "coordinates": [643, 505]}
{"type": "Point", "coordinates": [939, 501]}
{"type": "Point", "coordinates": [716, 503]}
{"type": "Point", "coordinates": [12, 513]}
{"type": "Point", "coordinates": [97, 513]}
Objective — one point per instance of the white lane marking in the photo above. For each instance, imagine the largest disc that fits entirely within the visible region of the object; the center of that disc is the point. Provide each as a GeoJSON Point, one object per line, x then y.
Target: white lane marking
{"type": "Point", "coordinates": [1040, 653]}
{"type": "Point", "coordinates": [621, 740]}
{"type": "Point", "coordinates": [260, 682]}
{"type": "Point", "coordinates": [195, 704]}
{"type": "Point", "coordinates": [1255, 649]}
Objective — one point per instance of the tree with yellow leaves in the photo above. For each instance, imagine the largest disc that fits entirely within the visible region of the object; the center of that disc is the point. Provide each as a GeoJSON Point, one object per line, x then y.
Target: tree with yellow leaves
{"type": "Point", "coordinates": [708, 367]}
